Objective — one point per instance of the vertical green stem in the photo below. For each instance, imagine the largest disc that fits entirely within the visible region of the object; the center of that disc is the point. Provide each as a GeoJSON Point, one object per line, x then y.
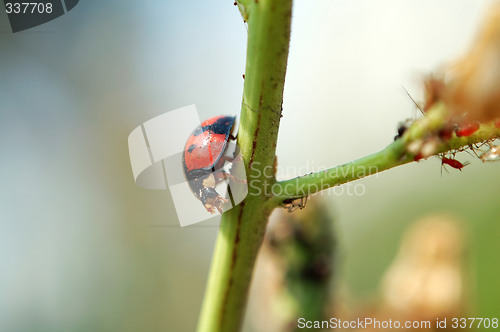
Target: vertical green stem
{"type": "Point", "coordinates": [242, 228]}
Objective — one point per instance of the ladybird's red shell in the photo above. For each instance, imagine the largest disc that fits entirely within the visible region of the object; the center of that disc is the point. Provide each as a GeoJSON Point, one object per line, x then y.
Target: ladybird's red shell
{"type": "Point", "coordinates": [206, 145]}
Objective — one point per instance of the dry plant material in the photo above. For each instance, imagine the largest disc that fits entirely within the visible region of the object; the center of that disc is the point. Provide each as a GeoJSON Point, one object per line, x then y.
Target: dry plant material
{"type": "Point", "coordinates": [471, 89]}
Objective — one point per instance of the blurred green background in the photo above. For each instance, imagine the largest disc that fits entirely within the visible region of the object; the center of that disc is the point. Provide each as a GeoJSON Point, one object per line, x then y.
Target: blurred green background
{"type": "Point", "coordinates": [82, 248]}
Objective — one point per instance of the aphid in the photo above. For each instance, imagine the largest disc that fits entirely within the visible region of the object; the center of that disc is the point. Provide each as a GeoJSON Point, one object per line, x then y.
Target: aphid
{"type": "Point", "coordinates": [445, 133]}
{"type": "Point", "coordinates": [492, 154]}
{"type": "Point", "coordinates": [497, 123]}
{"type": "Point", "coordinates": [203, 155]}
{"type": "Point", "coordinates": [453, 163]}
{"type": "Point", "coordinates": [293, 204]}
{"type": "Point", "coordinates": [417, 157]}
{"type": "Point", "coordinates": [467, 129]}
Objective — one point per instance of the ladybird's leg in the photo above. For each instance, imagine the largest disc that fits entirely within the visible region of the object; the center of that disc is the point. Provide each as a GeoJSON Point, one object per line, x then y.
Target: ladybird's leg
{"type": "Point", "coordinates": [209, 208]}
{"type": "Point", "coordinates": [221, 201]}
{"type": "Point", "coordinates": [238, 159]}
{"type": "Point", "coordinates": [237, 164]}
{"type": "Point", "coordinates": [222, 175]}
{"type": "Point", "coordinates": [217, 203]}
{"type": "Point", "coordinates": [225, 159]}
{"type": "Point", "coordinates": [229, 159]}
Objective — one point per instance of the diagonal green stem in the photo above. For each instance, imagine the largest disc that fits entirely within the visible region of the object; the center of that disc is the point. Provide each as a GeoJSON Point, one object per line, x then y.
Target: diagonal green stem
{"type": "Point", "coordinates": [395, 154]}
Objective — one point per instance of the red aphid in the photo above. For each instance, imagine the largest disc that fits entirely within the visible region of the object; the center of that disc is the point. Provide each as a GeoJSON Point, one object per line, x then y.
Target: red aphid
{"type": "Point", "coordinates": [452, 162]}
{"type": "Point", "coordinates": [467, 129]}
{"type": "Point", "coordinates": [497, 123]}
{"type": "Point", "coordinates": [445, 133]}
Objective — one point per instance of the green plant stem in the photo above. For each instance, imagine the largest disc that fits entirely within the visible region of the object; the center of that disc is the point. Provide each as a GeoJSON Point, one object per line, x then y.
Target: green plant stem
{"type": "Point", "coordinates": [309, 184]}
{"type": "Point", "coordinates": [242, 228]}
{"type": "Point", "coordinates": [395, 154]}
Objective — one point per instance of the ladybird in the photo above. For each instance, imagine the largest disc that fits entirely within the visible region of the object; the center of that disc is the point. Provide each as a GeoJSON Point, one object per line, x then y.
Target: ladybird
{"type": "Point", "coordinates": [204, 155]}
